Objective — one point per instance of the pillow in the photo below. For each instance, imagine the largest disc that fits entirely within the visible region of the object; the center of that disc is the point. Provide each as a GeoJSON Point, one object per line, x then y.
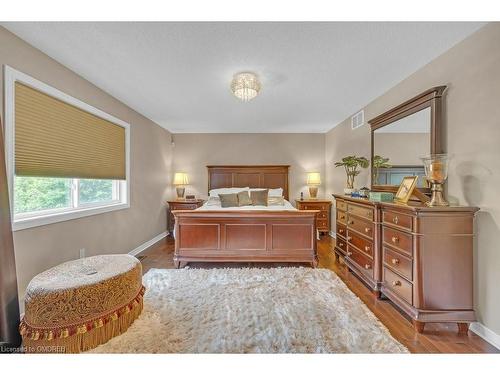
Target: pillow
{"type": "Point", "coordinates": [276, 201]}
{"type": "Point", "coordinates": [259, 197]}
{"type": "Point", "coordinates": [213, 201]}
{"type": "Point", "coordinates": [272, 192]}
{"type": "Point", "coordinates": [244, 199]}
{"type": "Point", "coordinates": [228, 200]}
{"type": "Point", "coordinates": [216, 192]}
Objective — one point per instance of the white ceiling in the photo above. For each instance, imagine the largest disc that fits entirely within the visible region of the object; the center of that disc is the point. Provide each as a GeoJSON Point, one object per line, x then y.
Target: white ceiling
{"type": "Point", "coordinates": [314, 75]}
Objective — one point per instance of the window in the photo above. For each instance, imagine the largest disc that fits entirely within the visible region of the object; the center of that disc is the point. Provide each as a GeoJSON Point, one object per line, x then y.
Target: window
{"type": "Point", "coordinates": [34, 196]}
{"type": "Point", "coordinates": [43, 188]}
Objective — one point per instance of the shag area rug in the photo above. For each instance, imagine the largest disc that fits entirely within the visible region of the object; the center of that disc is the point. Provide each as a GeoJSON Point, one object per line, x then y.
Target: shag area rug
{"type": "Point", "coordinates": [252, 310]}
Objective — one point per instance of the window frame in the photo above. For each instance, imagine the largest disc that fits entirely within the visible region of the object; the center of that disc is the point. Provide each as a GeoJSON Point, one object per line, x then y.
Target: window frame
{"type": "Point", "coordinates": [45, 217]}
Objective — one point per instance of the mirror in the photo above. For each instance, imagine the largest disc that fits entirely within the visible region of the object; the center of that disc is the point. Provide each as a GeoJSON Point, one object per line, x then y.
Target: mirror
{"type": "Point", "coordinates": [401, 136]}
{"type": "Point", "coordinates": [398, 147]}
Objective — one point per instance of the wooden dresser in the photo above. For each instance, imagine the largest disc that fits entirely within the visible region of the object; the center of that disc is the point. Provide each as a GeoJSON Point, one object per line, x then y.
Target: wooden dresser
{"type": "Point", "coordinates": [186, 204]}
{"type": "Point", "coordinates": [417, 256]}
{"type": "Point", "coordinates": [324, 208]}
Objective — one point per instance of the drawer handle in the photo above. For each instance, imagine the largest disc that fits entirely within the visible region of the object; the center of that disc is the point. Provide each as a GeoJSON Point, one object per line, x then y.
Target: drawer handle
{"type": "Point", "coordinates": [396, 283]}
{"type": "Point", "coordinates": [349, 253]}
{"type": "Point", "coordinates": [367, 230]}
{"type": "Point", "coordinates": [395, 261]}
{"type": "Point", "coordinates": [395, 239]}
{"type": "Point", "coordinates": [349, 238]}
{"type": "Point", "coordinates": [368, 266]}
{"type": "Point", "coordinates": [341, 231]}
{"type": "Point", "coordinates": [341, 244]}
{"type": "Point", "coordinates": [367, 248]}
{"type": "Point", "coordinates": [342, 217]}
{"type": "Point", "coordinates": [395, 220]}
{"type": "Point", "coordinates": [350, 222]}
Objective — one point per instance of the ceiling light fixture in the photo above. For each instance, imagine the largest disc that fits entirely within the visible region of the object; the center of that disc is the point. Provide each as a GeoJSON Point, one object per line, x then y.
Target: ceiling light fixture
{"type": "Point", "coordinates": [245, 86]}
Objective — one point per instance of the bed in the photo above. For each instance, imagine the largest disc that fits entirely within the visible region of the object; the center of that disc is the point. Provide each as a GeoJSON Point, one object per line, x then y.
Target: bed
{"type": "Point", "coordinates": [246, 234]}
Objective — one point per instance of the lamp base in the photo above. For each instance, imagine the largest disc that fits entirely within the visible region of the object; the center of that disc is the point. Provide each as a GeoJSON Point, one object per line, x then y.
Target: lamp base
{"type": "Point", "coordinates": [437, 197]}
{"type": "Point", "coordinates": [313, 192]}
{"type": "Point", "coordinates": [180, 192]}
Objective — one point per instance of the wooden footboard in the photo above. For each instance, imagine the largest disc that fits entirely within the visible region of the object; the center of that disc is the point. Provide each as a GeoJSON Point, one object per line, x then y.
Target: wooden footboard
{"type": "Point", "coordinates": [245, 236]}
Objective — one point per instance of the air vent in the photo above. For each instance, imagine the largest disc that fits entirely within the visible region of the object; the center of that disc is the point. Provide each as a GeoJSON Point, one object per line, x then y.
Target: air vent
{"type": "Point", "coordinates": [358, 120]}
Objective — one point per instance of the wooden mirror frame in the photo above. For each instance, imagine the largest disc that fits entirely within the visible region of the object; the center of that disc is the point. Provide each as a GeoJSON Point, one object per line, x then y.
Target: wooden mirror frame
{"type": "Point", "coordinates": [432, 98]}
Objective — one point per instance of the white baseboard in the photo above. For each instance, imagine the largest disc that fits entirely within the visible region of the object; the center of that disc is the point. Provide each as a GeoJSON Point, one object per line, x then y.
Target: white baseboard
{"type": "Point", "coordinates": [333, 234]}
{"type": "Point", "coordinates": [486, 334]}
{"type": "Point", "coordinates": [139, 249]}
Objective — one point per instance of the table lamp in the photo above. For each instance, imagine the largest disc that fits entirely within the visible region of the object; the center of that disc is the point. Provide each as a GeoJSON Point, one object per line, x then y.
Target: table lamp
{"type": "Point", "coordinates": [313, 181]}
{"type": "Point", "coordinates": [180, 182]}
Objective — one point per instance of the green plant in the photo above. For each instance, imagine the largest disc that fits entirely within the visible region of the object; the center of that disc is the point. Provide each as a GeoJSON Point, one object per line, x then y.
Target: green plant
{"type": "Point", "coordinates": [379, 162]}
{"type": "Point", "coordinates": [351, 165]}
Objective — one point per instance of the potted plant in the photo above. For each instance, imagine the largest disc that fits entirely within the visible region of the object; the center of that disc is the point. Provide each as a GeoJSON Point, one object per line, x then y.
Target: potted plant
{"type": "Point", "coordinates": [379, 162]}
{"type": "Point", "coordinates": [351, 165]}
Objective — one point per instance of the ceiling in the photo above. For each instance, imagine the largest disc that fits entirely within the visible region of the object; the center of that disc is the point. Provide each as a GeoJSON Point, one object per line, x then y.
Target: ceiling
{"type": "Point", "coordinates": [314, 75]}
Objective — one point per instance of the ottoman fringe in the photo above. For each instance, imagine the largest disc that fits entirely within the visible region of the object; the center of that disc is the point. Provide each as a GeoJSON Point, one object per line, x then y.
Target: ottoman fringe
{"type": "Point", "coordinates": [81, 337]}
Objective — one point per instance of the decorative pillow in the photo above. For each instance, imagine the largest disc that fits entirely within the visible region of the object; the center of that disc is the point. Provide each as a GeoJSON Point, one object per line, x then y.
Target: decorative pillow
{"type": "Point", "coordinates": [276, 201]}
{"type": "Point", "coordinates": [244, 199]}
{"type": "Point", "coordinates": [228, 200]}
{"type": "Point", "coordinates": [259, 197]}
{"type": "Point", "coordinates": [216, 192]}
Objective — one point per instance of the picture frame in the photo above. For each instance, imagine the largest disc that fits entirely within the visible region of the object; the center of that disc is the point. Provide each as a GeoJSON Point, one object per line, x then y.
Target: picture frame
{"type": "Point", "coordinates": [406, 189]}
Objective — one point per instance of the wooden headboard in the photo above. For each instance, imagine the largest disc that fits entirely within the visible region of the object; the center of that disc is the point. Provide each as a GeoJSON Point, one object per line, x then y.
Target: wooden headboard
{"type": "Point", "coordinates": [254, 176]}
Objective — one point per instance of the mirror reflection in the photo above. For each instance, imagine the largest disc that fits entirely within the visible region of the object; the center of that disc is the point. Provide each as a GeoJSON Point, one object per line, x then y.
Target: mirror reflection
{"type": "Point", "coordinates": [398, 147]}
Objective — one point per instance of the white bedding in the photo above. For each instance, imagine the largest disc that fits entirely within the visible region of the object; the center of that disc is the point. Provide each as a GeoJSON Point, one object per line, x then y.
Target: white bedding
{"type": "Point", "coordinates": [216, 207]}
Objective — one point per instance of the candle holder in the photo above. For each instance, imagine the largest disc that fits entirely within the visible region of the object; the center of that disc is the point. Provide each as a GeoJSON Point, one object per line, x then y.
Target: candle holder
{"type": "Point", "coordinates": [436, 172]}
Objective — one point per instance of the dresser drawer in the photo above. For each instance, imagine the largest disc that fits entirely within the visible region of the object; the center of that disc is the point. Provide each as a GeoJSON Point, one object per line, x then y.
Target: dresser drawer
{"type": "Point", "coordinates": [398, 263]}
{"type": "Point", "coordinates": [359, 225]}
{"type": "Point", "coordinates": [341, 230]}
{"type": "Point", "coordinates": [322, 215]}
{"type": "Point", "coordinates": [314, 206]}
{"type": "Point", "coordinates": [341, 245]}
{"type": "Point", "coordinates": [341, 205]}
{"type": "Point", "coordinates": [364, 263]}
{"type": "Point", "coordinates": [362, 244]}
{"type": "Point", "coordinates": [364, 212]}
{"type": "Point", "coordinates": [398, 285]}
{"type": "Point", "coordinates": [322, 223]}
{"type": "Point", "coordinates": [398, 239]}
{"type": "Point", "coordinates": [342, 217]}
{"type": "Point", "coordinates": [398, 219]}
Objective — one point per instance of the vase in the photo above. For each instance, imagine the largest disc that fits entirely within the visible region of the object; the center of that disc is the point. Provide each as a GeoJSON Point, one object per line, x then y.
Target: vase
{"type": "Point", "coordinates": [348, 191]}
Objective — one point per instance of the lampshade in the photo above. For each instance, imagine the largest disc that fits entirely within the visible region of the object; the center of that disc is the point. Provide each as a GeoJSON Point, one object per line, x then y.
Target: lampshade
{"type": "Point", "coordinates": [181, 178]}
{"type": "Point", "coordinates": [313, 178]}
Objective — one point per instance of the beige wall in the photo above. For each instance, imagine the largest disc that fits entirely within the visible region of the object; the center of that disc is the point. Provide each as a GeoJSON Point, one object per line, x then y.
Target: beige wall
{"type": "Point", "coordinates": [116, 232]}
{"type": "Point", "coordinates": [402, 148]}
{"type": "Point", "coordinates": [303, 152]}
{"type": "Point", "coordinates": [471, 70]}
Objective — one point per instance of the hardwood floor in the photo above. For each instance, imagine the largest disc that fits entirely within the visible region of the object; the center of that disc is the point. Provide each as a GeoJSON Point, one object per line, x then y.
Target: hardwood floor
{"type": "Point", "coordinates": [437, 338]}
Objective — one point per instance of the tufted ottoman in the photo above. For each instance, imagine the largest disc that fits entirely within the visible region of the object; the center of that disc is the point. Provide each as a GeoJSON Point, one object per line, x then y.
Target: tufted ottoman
{"type": "Point", "coordinates": [81, 304]}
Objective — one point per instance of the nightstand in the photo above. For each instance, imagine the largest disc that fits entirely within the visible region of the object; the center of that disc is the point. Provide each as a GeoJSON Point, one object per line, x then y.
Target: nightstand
{"type": "Point", "coordinates": [323, 206]}
{"type": "Point", "coordinates": [185, 204]}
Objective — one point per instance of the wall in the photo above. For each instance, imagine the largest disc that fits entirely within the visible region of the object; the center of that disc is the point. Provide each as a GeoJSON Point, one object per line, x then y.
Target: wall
{"type": "Point", "coordinates": [116, 232]}
{"type": "Point", "coordinates": [471, 70]}
{"type": "Point", "coordinates": [303, 152]}
{"type": "Point", "coordinates": [402, 148]}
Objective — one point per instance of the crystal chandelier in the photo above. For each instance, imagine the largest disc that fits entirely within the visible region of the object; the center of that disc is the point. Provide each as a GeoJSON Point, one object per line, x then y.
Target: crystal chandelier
{"type": "Point", "coordinates": [245, 86]}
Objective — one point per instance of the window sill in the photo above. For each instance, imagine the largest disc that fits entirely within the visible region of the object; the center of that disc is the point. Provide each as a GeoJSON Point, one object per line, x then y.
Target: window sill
{"type": "Point", "coordinates": [32, 222]}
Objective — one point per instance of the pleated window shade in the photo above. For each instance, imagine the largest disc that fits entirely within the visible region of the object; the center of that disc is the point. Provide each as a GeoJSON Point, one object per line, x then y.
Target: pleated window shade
{"type": "Point", "coordinates": [57, 139]}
